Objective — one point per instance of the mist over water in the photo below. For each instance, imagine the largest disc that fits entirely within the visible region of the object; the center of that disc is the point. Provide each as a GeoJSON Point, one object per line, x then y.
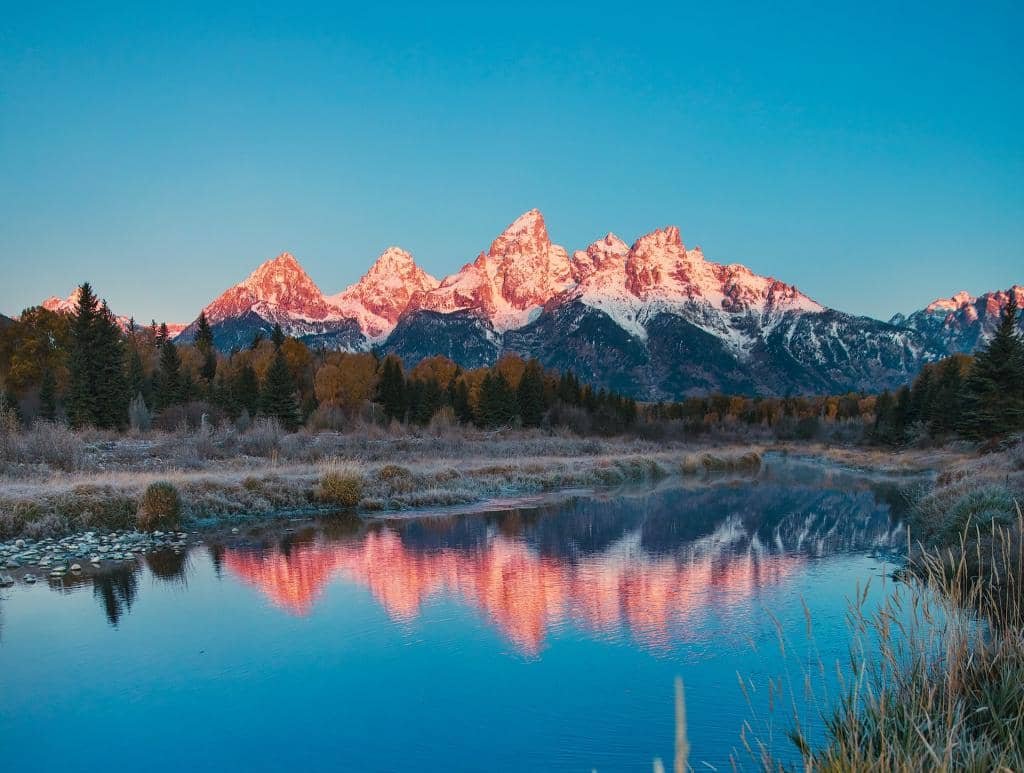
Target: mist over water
{"type": "Point", "coordinates": [539, 636]}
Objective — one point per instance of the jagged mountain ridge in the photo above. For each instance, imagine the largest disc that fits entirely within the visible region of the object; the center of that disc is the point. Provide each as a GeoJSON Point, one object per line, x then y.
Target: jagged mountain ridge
{"type": "Point", "coordinates": [962, 322]}
{"type": "Point", "coordinates": [654, 319]}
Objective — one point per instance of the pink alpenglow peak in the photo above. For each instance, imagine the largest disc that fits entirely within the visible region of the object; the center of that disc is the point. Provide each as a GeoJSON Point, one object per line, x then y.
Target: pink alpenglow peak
{"type": "Point", "coordinates": [280, 289]}
{"type": "Point", "coordinates": [958, 301]}
{"type": "Point", "coordinates": [969, 308]}
{"type": "Point", "coordinates": [383, 293]}
{"type": "Point", "coordinates": [659, 274]}
{"type": "Point", "coordinates": [69, 305]}
{"type": "Point", "coordinates": [511, 282]}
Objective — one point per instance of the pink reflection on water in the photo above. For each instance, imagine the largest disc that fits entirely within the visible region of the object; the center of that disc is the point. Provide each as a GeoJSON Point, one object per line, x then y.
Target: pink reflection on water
{"type": "Point", "coordinates": [523, 593]}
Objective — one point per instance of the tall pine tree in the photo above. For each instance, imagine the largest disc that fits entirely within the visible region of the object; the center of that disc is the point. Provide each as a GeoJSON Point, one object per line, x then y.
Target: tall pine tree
{"type": "Point", "coordinates": [994, 390]}
{"type": "Point", "coordinates": [169, 381]}
{"type": "Point", "coordinates": [204, 343]}
{"type": "Point", "coordinates": [112, 394]}
{"type": "Point", "coordinates": [277, 398]}
{"type": "Point", "coordinates": [82, 397]}
{"type": "Point", "coordinates": [48, 396]}
{"type": "Point", "coordinates": [531, 395]}
{"type": "Point", "coordinates": [391, 389]}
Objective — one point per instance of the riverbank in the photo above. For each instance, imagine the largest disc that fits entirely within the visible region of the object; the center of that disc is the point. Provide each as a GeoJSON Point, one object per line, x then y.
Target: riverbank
{"type": "Point", "coordinates": [56, 482]}
{"type": "Point", "coordinates": [945, 690]}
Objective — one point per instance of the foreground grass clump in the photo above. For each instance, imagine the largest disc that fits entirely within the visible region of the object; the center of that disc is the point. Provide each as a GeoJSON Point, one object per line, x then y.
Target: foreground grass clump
{"type": "Point", "coordinates": [692, 464]}
{"type": "Point", "coordinates": [341, 484]}
{"type": "Point", "coordinates": [159, 508]}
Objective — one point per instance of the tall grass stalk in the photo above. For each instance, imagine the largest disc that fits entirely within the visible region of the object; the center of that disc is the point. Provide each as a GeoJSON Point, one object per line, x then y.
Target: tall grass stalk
{"type": "Point", "coordinates": [936, 678]}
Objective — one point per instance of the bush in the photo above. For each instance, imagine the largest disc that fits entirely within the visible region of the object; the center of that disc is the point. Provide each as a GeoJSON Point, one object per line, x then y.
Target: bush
{"type": "Point", "coordinates": [341, 484]}
{"type": "Point", "coordinates": [394, 472]}
{"type": "Point", "coordinates": [139, 417]}
{"type": "Point", "coordinates": [188, 416]}
{"type": "Point", "coordinates": [160, 508]}
{"type": "Point", "coordinates": [263, 437]}
{"type": "Point", "coordinates": [979, 508]}
{"type": "Point", "coordinates": [47, 442]}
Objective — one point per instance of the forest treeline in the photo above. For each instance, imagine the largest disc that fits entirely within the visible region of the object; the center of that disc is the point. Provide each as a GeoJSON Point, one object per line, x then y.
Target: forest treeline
{"type": "Point", "coordinates": [83, 368]}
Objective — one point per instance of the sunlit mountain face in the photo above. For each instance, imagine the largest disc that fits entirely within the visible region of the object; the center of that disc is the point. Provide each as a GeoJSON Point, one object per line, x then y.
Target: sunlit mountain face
{"type": "Point", "coordinates": [635, 566]}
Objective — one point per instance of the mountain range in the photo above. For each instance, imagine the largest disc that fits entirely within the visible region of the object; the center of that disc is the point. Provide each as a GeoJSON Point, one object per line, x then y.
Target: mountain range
{"type": "Point", "coordinates": [654, 319]}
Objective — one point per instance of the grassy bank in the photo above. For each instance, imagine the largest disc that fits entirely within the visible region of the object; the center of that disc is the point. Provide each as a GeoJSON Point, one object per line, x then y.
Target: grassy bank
{"type": "Point", "coordinates": [937, 677]}
{"type": "Point", "coordinates": [54, 481]}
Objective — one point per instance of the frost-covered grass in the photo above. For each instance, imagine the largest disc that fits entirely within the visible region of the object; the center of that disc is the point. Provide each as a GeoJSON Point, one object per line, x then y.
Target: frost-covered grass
{"type": "Point", "coordinates": [317, 472]}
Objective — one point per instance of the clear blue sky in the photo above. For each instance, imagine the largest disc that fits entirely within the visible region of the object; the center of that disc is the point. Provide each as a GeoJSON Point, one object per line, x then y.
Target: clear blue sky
{"type": "Point", "coordinates": [873, 156]}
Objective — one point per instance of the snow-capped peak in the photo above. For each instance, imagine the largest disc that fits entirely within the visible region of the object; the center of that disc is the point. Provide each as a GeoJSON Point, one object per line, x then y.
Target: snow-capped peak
{"type": "Point", "coordinates": [607, 254]}
{"type": "Point", "coordinates": [380, 297]}
{"type": "Point", "coordinates": [954, 302]}
{"type": "Point", "coordinates": [278, 289]}
{"type": "Point", "coordinates": [521, 271]}
{"type": "Point", "coordinates": [527, 234]}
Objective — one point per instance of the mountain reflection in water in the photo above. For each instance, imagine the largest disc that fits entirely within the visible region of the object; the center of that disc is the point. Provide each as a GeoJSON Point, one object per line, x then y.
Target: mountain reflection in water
{"type": "Point", "coordinates": [624, 564]}
{"type": "Point", "coordinates": [637, 565]}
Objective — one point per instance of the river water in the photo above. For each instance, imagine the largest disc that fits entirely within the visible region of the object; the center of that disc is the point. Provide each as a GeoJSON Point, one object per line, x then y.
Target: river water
{"type": "Point", "coordinates": [531, 634]}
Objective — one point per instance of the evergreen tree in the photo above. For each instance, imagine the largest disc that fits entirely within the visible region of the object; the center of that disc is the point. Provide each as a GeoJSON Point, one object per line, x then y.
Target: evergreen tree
{"type": "Point", "coordinates": [82, 395]}
{"type": "Point", "coordinates": [531, 395]}
{"type": "Point", "coordinates": [277, 336]}
{"type": "Point", "coordinates": [994, 389]}
{"type": "Point", "coordinates": [245, 390]}
{"type": "Point", "coordinates": [497, 401]}
{"type": "Point", "coordinates": [460, 402]}
{"type": "Point", "coordinates": [48, 396]}
{"type": "Point", "coordinates": [947, 397]}
{"type": "Point", "coordinates": [204, 343]}
{"type": "Point", "coordinates": [277, 398]}
{"type": "Point", "coordinates": [168, 383]}
{"type": "Point", "coordinates": [391, 389]}
{"type": "Point", "coordinates": [112, 394]}
{"type": "Point", "coordinates": [137, 384]}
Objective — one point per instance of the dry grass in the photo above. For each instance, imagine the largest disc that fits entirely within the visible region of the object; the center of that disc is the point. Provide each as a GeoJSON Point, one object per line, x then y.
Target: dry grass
{"type": "Point", "coordinates": [341, 483]}
{"type": "Point", "coordinates": [937, 678]}
{"type": "Point", "coordinates": [159, 508]}
{"type": "Point", "coordinates": [938, 682]}
{"type": "Point", "coordinates": [734, 461]}
{"type": "Point", "coordinates": [68, 502]}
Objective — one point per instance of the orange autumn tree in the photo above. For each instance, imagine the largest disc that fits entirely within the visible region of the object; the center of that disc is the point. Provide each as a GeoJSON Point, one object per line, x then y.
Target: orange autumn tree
{"type": "Point", "coordinates": [346, 380]}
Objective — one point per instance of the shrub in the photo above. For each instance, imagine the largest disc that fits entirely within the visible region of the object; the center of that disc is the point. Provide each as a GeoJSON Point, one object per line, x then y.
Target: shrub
{"type": "Point", "coordinates": [188, 416]}
{"type": "Point", "coordinates": [341, 484]}
{"type": "Point", "coordinates": [139, 417]}
{"type": "Point", "coordinates": [979, 508]}
{"type": "Point", "coordinates": [263, 437]}
{"type": "Point", "coordinates": [393, 472]}
{"type": "Point", "coordinates": [160, 508]}
{"type": "Point", "coordinates": [45, 442]}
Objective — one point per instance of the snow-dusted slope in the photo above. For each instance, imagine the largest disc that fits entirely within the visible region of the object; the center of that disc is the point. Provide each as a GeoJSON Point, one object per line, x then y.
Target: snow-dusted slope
{"type": "Point", "coordinates": [380, 297]}
{"type": "Point", "coordinates": [658, 275]}
{"type": "Point", "coordinates": [510, 282]}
